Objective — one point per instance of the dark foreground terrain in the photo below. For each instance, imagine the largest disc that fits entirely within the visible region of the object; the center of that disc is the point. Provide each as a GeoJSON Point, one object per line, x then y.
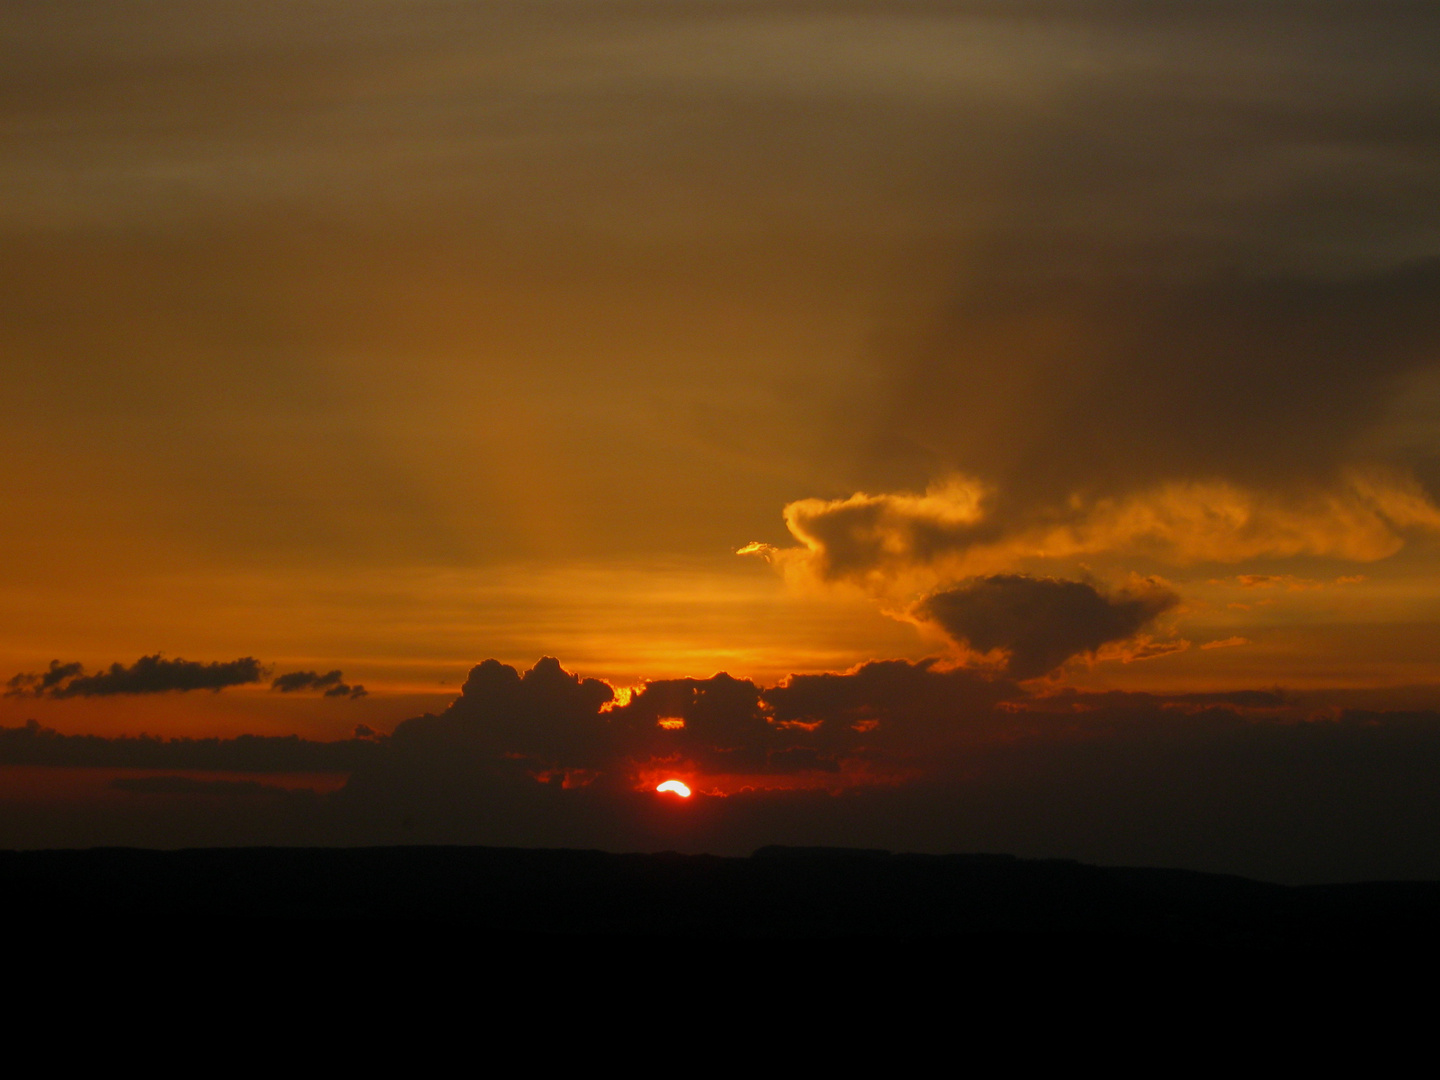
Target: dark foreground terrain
{"type": "Point", "coordinates": [849, 952]}
{"type": "Point", "coordinates": [794, 895]}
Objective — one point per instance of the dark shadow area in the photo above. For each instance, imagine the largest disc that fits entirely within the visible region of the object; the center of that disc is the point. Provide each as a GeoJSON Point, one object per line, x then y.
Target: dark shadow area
{"type": "Point", "coordinates": [811, 900]}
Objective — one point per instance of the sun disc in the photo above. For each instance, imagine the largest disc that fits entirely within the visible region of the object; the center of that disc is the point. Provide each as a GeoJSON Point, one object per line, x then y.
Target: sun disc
{"type": "Point", "coordinates": [678, 787]}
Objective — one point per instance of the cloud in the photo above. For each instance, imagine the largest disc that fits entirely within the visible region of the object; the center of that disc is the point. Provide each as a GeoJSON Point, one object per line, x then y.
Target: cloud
{"type": "Point", "coordinates": [1226, 643]}
{"type": "Point", "coordinates": [868, 535]}
{"type": "Point", "coordinates": [156, 675]}
{"type": "Point", "coordinates": [758, 549]}
{"type": "Point", "coordinates": [956, 528]}
{"type": "Point", "coordinates": [1039, 623]}
{"type": "Point", "coordinates": [509, 732]}
{"type": "Point", "coordinates": [895, 706]}
{"type": "Point", "coordinates": [148, 675]}
{"type": "Point", "coordinates": [332, 683]}
{"type": "Point", "coordinates": [305, 680]}
{"type": "Point", "coordinates": [44, 682]}
{"type": "Point", "coordinates": [1141, 647]}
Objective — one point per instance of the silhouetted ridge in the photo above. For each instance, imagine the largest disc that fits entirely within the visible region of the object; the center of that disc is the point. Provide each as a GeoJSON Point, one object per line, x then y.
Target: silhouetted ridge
{"type": "Point", "coordinates": [798, 893]}
{"type": "Point", "coordinates": [781, 851]}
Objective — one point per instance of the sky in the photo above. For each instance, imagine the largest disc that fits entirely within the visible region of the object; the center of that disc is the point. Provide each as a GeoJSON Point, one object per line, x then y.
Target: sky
{"type": "Point", "coordinates": [1030, 407]}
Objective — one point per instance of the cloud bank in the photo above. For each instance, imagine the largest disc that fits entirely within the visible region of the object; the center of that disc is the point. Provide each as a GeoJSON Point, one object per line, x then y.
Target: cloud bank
{"type": "Point", "coordinates": [893, 754]}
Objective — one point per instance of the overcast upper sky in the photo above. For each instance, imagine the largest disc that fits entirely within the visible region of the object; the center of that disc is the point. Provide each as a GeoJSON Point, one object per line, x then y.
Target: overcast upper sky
{"type": "Point", "coordinates": [1090, 343]}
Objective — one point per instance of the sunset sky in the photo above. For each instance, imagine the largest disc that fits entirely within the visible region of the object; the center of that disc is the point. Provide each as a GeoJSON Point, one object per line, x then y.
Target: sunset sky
{"type": "Point", "coordinates": [1082, 356]}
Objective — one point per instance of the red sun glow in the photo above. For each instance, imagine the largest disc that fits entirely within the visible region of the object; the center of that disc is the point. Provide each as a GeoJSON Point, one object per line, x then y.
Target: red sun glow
{"type": "Point", "coordinates": [679, 788]}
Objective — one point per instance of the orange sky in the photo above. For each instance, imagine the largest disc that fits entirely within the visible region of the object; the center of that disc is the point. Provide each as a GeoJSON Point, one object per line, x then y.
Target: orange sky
{"type": "Point", "coordinates": [388, 337]}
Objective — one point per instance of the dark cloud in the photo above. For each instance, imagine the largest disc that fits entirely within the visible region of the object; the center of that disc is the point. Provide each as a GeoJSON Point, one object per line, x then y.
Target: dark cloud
{"type": "Point", "coordinates": [44, 682]}
{"type": "Point", "coordinates": [332, 683]}
{"type": "Point", "coordinates": [900, 708]}
{"type": "Point", "coordinates": [306, 680]}
{"type": "Point", "coordinates": [548, 716]}
{"type": "Point", "coordinates": [550, 722]}
{"type": "Point", "coordinates": [721, 724]}
{"type": "Point", "coordinates": [1039, 623]}
{"type": "Point", "coordinates": [148, 675]}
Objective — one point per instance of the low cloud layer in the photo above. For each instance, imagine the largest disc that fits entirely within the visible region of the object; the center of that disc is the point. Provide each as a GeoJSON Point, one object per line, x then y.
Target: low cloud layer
{"type": "Point", "coordinates": [1039, 623]}
{"type": "Point", "coordinates": [148, 675]}
{"type": "Point", "coordinates": [892, 754]}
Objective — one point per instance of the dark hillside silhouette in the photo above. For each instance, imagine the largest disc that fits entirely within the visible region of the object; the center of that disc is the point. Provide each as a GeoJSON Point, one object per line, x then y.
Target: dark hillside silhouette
{"type": "Point", "coordinates": [796, 894]}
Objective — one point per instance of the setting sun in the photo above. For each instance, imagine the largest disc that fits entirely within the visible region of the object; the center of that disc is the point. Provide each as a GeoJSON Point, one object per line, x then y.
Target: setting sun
{"type": "Point", "coordinates": [679, 788]}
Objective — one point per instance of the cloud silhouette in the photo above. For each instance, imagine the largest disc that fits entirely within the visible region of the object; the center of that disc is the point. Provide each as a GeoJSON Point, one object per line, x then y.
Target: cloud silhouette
{"type": "Point", "coordinates": [148, 675]}
{"type": "Point", "coordinates": [306, 680]}
{"type": "Point", "coordinates": [332, 683]}
{"type": "Point", "coordinates": [39, 683]}
{"type": "Point", "coordinates": [1039, 623]}
{"type": "Point", "coordinates": [899, 755]}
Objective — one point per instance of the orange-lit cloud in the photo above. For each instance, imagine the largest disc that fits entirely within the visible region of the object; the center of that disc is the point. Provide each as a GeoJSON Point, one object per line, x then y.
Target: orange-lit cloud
{"type": "Point", "coordinates": [1142, 647]}
{"type": "Point", "coordinates": [1226, 643]}
{"type": "Point", "coordinates": [951, 530]}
